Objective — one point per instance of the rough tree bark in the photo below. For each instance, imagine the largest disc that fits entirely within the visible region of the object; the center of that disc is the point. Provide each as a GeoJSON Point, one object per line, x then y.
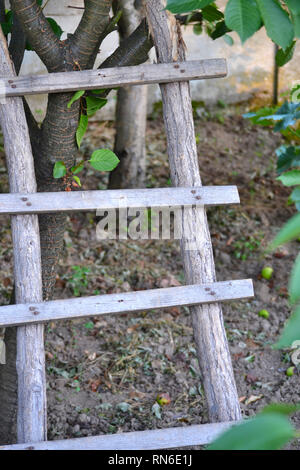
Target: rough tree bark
{"type": "Point", "coordinates": [55, 139]}
{"type": "Point", "coordinates": [131, 116]}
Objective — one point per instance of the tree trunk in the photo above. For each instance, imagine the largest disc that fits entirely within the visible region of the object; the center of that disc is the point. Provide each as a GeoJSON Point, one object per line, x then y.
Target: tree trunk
{"type": "Point", "coordinates": [131, 117]}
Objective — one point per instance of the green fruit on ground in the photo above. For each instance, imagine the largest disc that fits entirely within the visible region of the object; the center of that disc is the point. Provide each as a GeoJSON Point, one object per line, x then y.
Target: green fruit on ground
{"type": "Point", "coordinates": [290, 371]}
{"type": "Point", "coordinates": [267, 272]}
{"type": "Point", "coordinates": [264, 313]}
{"type": "Point", "coordinates": [163, 399]}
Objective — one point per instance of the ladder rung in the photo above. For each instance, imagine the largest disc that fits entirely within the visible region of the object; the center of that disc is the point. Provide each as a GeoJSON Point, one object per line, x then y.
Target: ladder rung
{"type": "Point", "coordinates": [113, 199]}
{"type": "Point", "coordinates": [200, 434]}
{"type": "Point", "coordinates": [125, 302]}
{"type": "Point", "coordinates": [113, 77]}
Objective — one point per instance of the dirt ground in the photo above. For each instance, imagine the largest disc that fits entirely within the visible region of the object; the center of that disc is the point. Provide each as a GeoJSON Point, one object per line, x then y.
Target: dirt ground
{"type": "Point", "coordinates": [104, 373]}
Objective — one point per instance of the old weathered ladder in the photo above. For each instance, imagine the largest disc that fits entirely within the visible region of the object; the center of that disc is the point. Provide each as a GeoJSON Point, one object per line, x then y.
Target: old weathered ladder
{"type": "Point", "coordinates": [202, 292]}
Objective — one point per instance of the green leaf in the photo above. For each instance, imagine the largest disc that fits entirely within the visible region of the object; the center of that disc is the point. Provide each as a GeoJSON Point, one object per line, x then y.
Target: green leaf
{"type": "Point", "coordinates": [55, 27]}
{"type": "Point", "coordinates": [295, 197]}
{"type": "Point", "coordinates": [283, 408]}
{"type": "Point", "coordinates": [287, 115]}
{"type": "Point", "coordinates": [283, 57]}
{"type": "Point", "coordinates": [296, 23]}
{"type": "Point", "coordinates": [294, 285]}
{"type": "Point", "coordinates": [288, 157]}
{"type": "Point", "coordinates": [295, 93]}
{"type": "Point", "coordinates": [104, 160]}
{"type": "Point", "coordinates": [228, 39]}
{"type": "Point", "coordinates": [78, 168]}
{"type": "Point", "coordinates": [277, 22]}
{"type": "Point", "coordinates": [294, 6]}
{"type": "Point", "coordinates": [93, 104]}
{"type": "Point", "coordinates": [291, 331]}
{"type": "Point", "coordinates": [243, 17]}
{"type": "Point", "coordinates": [267, 431]}
{"type": "Point", "coordinates": [77, 180]}
{"type": "Point", "coordinates": [290, 231]}
{"type": "Point", "coordinates": [185, 6]}
{"type": "Point", "coordinates": [220, 30]}
{"type": "Point", "coordinates": [256, 117]}
{"type": "Point", "coordinates": [211, 13]}
{"type": "Point", "coordinates": [7, 24]}
{"type": "Point", "coordinates": [76, 97]}
{"type": "Point", "coordinates": [59, 170]}
{"type": "Point", "coordinates": [197, 29]}
{"type": "Point", "coordinates": [290, 178]}
{"type": "Point", "coordinates": [82, 127]}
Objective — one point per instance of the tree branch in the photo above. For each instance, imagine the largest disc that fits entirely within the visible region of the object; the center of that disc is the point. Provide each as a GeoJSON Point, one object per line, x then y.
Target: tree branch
{"type": "Point", "coordinates": [90, 32]}
{"type": "Point", "coordinates": [34, 130]}
{"type": "Point", "coordinates": [17, 44]}
{"type": "Point", "coordinates": [39, 33]}
{"type": "Point", "coordinates": [2, 11]}
{"type": "Point", "coordinates": [133, 50]}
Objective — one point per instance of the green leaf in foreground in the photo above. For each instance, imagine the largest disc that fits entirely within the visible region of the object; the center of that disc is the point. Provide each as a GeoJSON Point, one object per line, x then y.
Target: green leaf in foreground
{"type": "Point", "coordinates": [290, 178]}
{"type": "Point", "coordinates": [294, 6]}
{"type": "Point", "coordinates": [59, 170]}
{"type": "Point", "coordinates": [77, 168]}
{"type": "Point", "coordinates": [282, 408]}
{"type": "Point", "coordinates": [267, 431]}
{"type": "Point", "coordinates": [256, 116]}
{"type": "Point", "coordinates": [211, 14]}
{"type": "Point", "coordinates": [296, 23]}
{"type": "Point", "coordinates": [294, 286]}
{"type": "Point", "coordinates": [243, 17]}
{"type": "Point", "coordinates": [288, 157]}
{"type": "Point", "coordinates": [228, 39]}
{"type": "Point", "coordinates": [104, 160]}
{"type": "Point", "coordinates": [76, 97]}
{"type": "Point", "coordinates": [81, 129]}
{"type": "Point", "coordinates": [93, 104]}
{"type": "Point", "coordinates": [185, 6]}
{"type": "Point", "coordinates": [295, 197]}
{"type": "Point", "coordinates": [77, 180]}
{"type": "Point", "coordinates": [220, 30]}
{"type": "Point", "coordinates": [283, 57]}
{"type": "Point", "coordinates": [277, 22]}
{"type": "Point", "coordinates": [291, 331]}
{"type": "Point", "coordinates": [290, 231]}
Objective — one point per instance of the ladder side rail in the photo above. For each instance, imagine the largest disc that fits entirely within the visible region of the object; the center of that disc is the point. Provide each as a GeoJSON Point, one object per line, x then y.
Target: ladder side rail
{"type": "Point", "coordinates": [209, 332]}
{"type": "Point", "coordinates": [31, 419]}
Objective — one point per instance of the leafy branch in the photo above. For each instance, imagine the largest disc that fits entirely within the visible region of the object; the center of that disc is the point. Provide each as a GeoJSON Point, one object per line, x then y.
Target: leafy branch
{"type": "Point", "coordinates": [280, 19]}
{"type": "Point", "coordinates": [101, 160]}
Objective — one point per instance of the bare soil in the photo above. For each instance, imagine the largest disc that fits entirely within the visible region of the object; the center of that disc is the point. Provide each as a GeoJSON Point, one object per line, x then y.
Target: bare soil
{"type": "Point", "coordinates": [104, 373]}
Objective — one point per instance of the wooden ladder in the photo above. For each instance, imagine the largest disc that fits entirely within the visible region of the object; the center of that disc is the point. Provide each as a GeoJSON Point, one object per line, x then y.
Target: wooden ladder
{"type": "Point", "coordinates": [202, 293]}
